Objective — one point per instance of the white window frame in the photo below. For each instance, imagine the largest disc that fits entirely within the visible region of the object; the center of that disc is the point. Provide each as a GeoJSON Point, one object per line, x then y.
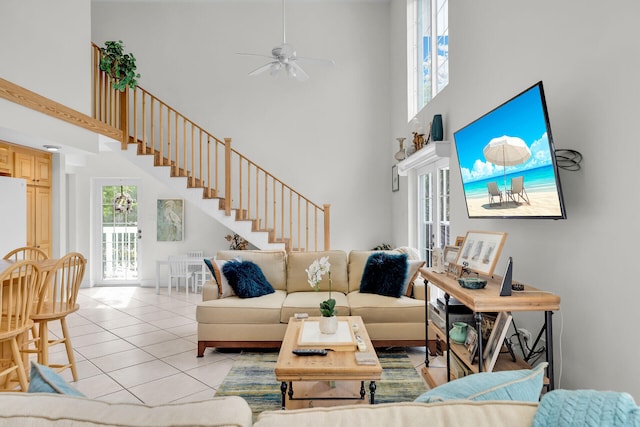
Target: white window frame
{"type": "Point", "coordinates": [96, 247]}
{"type": "Point", "coordinates": [439, 65]}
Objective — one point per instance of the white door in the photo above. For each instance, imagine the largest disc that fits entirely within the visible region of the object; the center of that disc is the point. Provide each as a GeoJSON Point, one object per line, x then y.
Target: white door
{"type": "Point", "coordinates": [433, 207]}
{"type": "Point", "coordinates": [118, 233]}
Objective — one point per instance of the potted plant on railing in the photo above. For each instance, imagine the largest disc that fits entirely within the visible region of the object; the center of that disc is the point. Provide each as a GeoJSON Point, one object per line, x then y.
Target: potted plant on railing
{"type": "Point", "coordinates": [317, 269]}
{"type": "Point", "coordinates": [120, 66]}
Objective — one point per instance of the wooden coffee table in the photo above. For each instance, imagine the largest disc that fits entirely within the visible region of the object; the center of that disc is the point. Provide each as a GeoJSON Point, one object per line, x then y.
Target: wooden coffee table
{"type": "Point", "coordinates": [335, 366]}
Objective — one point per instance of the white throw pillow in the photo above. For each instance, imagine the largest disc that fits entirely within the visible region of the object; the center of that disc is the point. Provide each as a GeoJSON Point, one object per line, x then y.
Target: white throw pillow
{"type": "Point", "coordinates": [224, 288]}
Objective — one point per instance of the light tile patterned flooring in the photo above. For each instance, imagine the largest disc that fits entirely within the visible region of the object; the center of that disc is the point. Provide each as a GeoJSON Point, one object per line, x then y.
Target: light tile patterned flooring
{"type": "Point", "coordinates": [132, 345]}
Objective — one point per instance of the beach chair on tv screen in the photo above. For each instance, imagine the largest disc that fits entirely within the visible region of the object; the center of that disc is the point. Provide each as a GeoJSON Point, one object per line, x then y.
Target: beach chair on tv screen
{"type": "Point", "coordinates": [494, 192]}
{"type": "Point", "coordinates": [517, 190]}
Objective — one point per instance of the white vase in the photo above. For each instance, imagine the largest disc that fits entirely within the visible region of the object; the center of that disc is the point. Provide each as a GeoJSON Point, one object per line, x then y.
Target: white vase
{"type": "Point", "coordinates": [328, 325]}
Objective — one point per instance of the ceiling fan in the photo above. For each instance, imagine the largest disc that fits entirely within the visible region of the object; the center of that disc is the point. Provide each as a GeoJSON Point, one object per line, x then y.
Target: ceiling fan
{"type": "Point", "coordinates": [283, 58]}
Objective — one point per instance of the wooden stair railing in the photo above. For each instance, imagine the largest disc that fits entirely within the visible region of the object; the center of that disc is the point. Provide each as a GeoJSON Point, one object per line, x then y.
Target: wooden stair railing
{"type": "Point", "coordinates": [175, 141]}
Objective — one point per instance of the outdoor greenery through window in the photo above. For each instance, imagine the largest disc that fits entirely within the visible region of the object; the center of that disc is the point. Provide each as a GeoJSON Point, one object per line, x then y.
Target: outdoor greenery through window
{"type": "Point", "coordinates": [429, 59]}
{"type": "Point", "coordinates": [119, 232]}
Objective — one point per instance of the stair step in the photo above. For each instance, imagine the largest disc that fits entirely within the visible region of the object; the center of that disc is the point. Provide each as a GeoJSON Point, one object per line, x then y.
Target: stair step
{"type": "Point", "coordinates": [241, 215]}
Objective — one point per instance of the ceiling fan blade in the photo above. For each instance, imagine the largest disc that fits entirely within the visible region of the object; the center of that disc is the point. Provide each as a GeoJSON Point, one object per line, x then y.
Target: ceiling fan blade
{"type": "Point", "coordinates": [296, 71]}
{"type": "Point", "coordinates": [323, 60]}
{"type": "Point", "coordinates": [255, 54]}
{"type": "Point", "coordinates": [262, 68]}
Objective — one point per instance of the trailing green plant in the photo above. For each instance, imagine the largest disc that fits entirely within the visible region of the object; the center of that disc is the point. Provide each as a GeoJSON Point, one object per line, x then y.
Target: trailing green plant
{"type": "Point", "coordinates": [120, 66]}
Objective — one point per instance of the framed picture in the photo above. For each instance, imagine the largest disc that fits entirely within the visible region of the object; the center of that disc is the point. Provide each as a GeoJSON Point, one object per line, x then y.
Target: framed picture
{"type": "Point", "coordinates": [471, 343]}
{"type": "Point", "coordinates": [450, 254]}
{"type": "Point", "coordinates": [459, 240]}
{"type": "Point", "coordinates": [170, 220]}
{"type": "Point", "coordinates": [494, 344]}
{"type": "Point", "coordinates": [481, 250]}
{"type": "Point", "coordinates": [395, 179]}
{"type": "Point", "coordinates": [454, 269]}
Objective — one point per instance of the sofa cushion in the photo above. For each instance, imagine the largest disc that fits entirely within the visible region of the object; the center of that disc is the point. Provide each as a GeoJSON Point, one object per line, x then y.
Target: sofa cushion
{"type": "Point", "coordinates": [272, 263]}
{"type": "Point", "coordinates": [522, 385]}
{"type": "Point", "coordinates": [246, 279]}
{"type": "Point", "coordinates": [384, 274]}
{"type": "Point", "coordinates": [309, 302]}
{"type": "Point", "coordinates": [46, 410]}
{"type": "Point", "coordinates": [459, 413]}
{"type": "Point", "coordinates": [235, 310]}
{"type": "Point", "coordinates": [375, 308]}
{"type": "Point", "coordinates": [357, 261]}
{"type": "Point", "coordinates": [298, 262]}
{"type": "Point", "coordinates": [45, 380]}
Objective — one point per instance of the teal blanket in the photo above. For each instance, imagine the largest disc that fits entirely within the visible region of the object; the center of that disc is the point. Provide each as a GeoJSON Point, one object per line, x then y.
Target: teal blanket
{"type": "Point", "coordinates": [564, 408]}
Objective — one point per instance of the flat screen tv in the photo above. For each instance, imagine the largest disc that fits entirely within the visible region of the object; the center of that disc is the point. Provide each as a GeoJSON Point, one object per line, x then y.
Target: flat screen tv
{"type": "Point", "coordinates": [507, 161]}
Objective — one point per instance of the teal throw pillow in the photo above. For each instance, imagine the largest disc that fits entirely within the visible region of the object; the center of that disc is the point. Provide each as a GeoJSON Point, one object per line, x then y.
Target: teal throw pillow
{"type": "Point", "coordinates": [209, 265]}
{"type": "Point", "coordinates": [523, 385]}
{"type": "Point", "coordinates": [586, 408]}
{"type": "Point", "coordinates": [247, 279]}
{"type": "Point", "coordinates": [46, 380]}
{"type": "Point", "coordinates": [384, 274]}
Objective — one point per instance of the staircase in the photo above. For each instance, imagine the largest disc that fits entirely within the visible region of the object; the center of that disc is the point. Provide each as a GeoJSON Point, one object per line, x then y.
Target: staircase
{"type": "Point", "coordinates": [208, 172]}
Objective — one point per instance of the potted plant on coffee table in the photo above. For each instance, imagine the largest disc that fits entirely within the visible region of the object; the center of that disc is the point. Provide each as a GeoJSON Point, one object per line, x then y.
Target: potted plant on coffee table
{"type": "Point", "coordinates": [328, 319]}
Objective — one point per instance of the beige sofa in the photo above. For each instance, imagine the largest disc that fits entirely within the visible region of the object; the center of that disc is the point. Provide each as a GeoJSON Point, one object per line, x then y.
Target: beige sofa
{"type": "Point", "coordinates": [43, 409]}
{"type": "Point", "coordinates": [262, 321]}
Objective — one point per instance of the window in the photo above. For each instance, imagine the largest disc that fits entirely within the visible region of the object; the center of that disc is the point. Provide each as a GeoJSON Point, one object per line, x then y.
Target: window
{"type": "Point", "coordinates": [433, 208]}
{"type": "Point", "coordinates": [429, 55]}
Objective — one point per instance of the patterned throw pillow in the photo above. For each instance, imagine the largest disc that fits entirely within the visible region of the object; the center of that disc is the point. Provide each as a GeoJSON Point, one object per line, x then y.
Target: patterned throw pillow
{"type": "Point", "coordinates": [384, 274]}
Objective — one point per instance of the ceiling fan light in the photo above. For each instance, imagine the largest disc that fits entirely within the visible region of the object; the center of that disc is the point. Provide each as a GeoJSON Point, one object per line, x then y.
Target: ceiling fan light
{"type": "Point", "coordinates": [275, 68]}
{"type": "Point", "coordinates": [291, 70]}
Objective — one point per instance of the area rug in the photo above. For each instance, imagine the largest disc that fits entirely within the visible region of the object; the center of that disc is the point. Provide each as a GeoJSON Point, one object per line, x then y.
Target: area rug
{"type": "Point", "coordinates": [252, 377]}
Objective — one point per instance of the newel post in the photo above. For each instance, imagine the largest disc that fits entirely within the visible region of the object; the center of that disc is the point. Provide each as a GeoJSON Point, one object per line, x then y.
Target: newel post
{"type": "Point", "coordinates": [124, 117]}
{"type": "Point", "coordinates": [227, 176]}
{"type": "Point", "coordinates": [327, 226]}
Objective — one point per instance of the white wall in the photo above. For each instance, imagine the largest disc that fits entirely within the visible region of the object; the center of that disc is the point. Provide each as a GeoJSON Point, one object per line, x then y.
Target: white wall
{"type": "Point", "coordinates": [586, 55]}
{"type": "Point", "coordinates": [201, 231]}
{"type": "Point", "coordinates": [46, 48]}
{"type": "Point", "coordinates": [327, 137]}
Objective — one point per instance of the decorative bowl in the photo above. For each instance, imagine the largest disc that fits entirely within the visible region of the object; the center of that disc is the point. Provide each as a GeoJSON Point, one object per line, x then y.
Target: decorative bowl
{"type": "Point", "coordinates": [472, 282]}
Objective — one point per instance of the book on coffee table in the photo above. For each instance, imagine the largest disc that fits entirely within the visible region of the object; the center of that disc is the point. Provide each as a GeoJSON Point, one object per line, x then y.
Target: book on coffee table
{"type": "Point", "coordinates": [366, 358]}
{"type": "Point", "coordinates": [311, 337]}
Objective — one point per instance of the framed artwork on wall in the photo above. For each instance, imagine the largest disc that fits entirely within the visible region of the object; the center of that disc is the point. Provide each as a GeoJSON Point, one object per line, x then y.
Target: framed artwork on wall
{"type": "Point", "coordinates": [480, 251]}
{"type": "Point", "coordinates": [395, 179]}
{"type": "Point", "coordinates": [170, 220]}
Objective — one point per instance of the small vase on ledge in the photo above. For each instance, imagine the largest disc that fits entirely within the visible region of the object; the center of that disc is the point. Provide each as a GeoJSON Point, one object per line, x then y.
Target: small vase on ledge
{"type": "Point", "coordinates": [328, 325]}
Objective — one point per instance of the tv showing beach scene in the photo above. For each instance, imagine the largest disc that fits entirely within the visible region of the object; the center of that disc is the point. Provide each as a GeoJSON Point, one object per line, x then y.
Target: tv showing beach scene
{"type": "Point", "coordinates": [507, 161]}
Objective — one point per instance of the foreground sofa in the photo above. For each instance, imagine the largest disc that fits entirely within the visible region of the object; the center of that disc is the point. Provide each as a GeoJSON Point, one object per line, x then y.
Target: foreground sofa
{"type": "Point", "coordinates": [44, 409]}
{"type": "Point", "coordinates": [260, 322]}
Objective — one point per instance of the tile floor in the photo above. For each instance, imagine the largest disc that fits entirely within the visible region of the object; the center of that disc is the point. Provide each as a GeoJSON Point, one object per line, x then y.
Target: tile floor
{"type": "Point", "coordinates": [132, 345]}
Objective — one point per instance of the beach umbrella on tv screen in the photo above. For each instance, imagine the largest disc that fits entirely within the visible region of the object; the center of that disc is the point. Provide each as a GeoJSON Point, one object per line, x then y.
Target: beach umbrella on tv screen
{"type": "Point", "coordinates": [506, 151]}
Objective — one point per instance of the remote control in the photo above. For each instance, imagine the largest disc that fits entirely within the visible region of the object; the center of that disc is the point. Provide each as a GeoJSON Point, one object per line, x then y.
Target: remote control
{"type": "Point", "coordinates": [301, 315]}
{"type": "Point", "coordinates": [309, 352]}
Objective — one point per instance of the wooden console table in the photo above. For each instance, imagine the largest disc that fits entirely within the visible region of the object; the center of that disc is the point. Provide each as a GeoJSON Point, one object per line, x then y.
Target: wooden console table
{"type": "Point", "coordinates": [488, 300]}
